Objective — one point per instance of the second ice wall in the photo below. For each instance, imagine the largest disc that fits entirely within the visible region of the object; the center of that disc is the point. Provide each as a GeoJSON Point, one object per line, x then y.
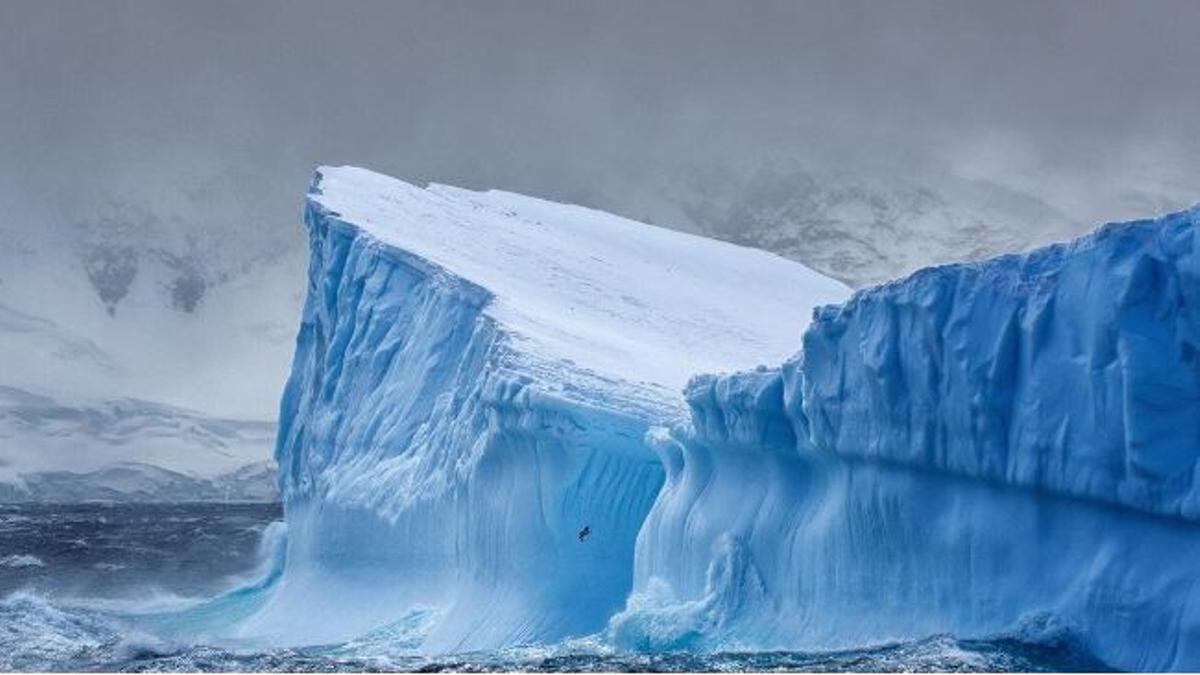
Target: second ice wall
{"type": "Point", "coordinates": [1009, 446]}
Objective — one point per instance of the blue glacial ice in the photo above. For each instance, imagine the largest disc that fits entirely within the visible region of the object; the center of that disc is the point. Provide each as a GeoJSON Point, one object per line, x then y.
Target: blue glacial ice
{"type": "Point", "coordinates": [474, 379]}
{"type": "Point", "coordinates": [1002, 447]}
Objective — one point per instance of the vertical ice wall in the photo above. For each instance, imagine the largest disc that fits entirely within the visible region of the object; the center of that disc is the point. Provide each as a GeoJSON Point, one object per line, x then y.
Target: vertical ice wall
{"type": "Point", "coordinates": [1005, 446]}
{"type": "Point", "coordinates": [1074, 369]}
{"type": "Point", "coordinates": [422, 475]}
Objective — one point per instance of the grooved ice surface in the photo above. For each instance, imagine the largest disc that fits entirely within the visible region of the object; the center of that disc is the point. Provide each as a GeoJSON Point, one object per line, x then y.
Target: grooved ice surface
{"type": "Point", "coordinates": [1074, 369]}
{"type": "Point", "coordinates": [474, 377]}
{"type": "Point", "coordinates": [1002, 448]}
{"type": "Point", "coordinates": [1007, 447]}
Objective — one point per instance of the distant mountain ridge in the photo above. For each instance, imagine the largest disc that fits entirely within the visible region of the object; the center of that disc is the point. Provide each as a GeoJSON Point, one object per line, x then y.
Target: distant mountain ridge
{"type": "Point", "coordinates": [141, 361]}
{"type": "Point", "coordinates": [128, 450]}
{"type": "Point", "coordinates": [865, 230]}
{"type": "Point", "coordinates": [136, 482]}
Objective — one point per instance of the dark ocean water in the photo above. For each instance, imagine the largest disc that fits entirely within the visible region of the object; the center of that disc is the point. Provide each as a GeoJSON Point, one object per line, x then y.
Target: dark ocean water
{"type": "Point", "coordinates": [75, 579]}
{"type": "Point", "coordinates": [127, 550]}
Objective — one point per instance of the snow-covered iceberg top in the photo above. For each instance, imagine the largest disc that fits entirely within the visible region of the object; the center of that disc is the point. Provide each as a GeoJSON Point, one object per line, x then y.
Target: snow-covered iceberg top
{"type": "Point", "coordinates": [589, 290]}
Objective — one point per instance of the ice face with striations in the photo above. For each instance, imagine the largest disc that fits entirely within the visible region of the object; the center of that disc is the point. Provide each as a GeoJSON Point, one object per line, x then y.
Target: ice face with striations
{"type": "Point", "coordinates": [1004, 446]}
{"type": "Point", "coordinates": [474, 379]}
{"type": "Point", "coordinates": [1010, 445]}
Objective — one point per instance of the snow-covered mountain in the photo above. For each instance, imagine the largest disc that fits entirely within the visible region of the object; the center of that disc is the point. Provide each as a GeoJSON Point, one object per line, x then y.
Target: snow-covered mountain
{"type": "Point", "coordinates": [137, 482]}
{"type": "Point", "coordinates": [864, 228]}
{"type": "Point", "coordinates": [129, 450]}
{"type": "Point", "coordinates": [130, 343]}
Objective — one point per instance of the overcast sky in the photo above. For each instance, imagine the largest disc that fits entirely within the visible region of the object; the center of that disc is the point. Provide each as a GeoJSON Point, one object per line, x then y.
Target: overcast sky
{"type": "Point", "coordinates": [580, 100]}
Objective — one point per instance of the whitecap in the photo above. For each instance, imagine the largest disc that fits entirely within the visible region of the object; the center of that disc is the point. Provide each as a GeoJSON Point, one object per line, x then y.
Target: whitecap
{"type": "Point", "coordinates": [21, 560]}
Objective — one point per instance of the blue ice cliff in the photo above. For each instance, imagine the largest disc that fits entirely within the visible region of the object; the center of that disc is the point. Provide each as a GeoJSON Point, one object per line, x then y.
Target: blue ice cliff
{"type": "Point", "coordinates": [474, 380]}
{"type": "Point", "coordinates": [1002, 447]}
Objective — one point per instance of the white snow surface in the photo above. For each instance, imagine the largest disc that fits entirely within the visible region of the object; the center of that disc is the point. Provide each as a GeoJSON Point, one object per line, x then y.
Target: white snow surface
{"type": "Point", "coordinates": [599, 292]}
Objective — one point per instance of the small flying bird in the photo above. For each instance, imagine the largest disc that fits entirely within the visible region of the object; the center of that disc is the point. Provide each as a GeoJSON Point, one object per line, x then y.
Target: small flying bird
{"type": "Point", "coordinates": [587, 529]}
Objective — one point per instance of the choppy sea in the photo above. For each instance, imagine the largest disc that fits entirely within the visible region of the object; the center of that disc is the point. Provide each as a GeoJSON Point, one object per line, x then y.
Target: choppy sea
{"type": "Point", "coordinates": [75, 580]}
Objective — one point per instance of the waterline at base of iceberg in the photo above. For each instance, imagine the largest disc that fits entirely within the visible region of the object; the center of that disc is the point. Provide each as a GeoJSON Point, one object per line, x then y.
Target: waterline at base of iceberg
{"type": "Point", "coordinates": [46, 629]}
{"type": "Point", "coordinates": [43, 636]}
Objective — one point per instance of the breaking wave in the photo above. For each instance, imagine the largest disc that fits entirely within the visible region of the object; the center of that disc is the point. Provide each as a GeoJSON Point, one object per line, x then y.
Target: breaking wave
{"type": "Point", "coordinates": [20, 560]}
{"type": "Point", "coordinates": [42, 636]}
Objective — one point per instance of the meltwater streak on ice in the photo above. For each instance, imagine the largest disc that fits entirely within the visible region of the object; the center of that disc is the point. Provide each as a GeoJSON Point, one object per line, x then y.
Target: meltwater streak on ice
{"type": "Point", "coordinates": [975, 449]}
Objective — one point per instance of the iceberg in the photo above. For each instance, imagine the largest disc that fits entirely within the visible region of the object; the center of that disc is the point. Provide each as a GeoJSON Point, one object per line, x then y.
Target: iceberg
{"type": "Point", "coordinates": [1006, 447]}
{"type": "Point", "coordinates": [474, 380]}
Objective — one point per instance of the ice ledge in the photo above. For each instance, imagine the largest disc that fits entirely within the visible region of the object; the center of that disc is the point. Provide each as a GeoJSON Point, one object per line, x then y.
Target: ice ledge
{"type": "Point", "coordinates": [626, 302]}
